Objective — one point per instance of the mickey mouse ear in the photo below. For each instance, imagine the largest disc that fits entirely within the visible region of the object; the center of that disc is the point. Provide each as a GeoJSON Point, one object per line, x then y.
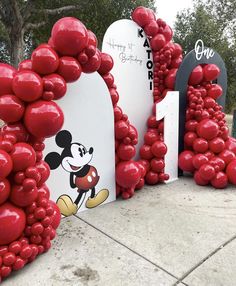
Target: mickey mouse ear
{"type": "Point", "coordinates": [53, 159]}
{"type": "Point", "coordinates": [63, 138]}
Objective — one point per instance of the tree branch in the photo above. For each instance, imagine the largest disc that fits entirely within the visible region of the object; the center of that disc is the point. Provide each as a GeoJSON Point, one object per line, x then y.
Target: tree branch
{"type": "Point", "coordinates": [32, 26]}
{"type": "Point", "coordinates": [60, 10]}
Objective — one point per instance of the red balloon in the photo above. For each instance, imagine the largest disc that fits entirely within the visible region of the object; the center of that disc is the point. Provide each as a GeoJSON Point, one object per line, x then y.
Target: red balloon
{"type": "Point", "coordinates": [207, 172]}
{"type": "Point", "coordinates": [27, 85]}
{"type": "Point", "coordinates": [17, 130]}
{"type": "Point", "coordinates": [150, 138]}
{"type": "Point", "coordinates": [211, 72]}
{"type": "Point", "coordinates": [6, 164]}
{"type": "Point", "coordinates": [151, 178]}
{"type": "Point", "coordinates": [7, 73]}
{"type": "Point", "coordinates": [176, 62]}
{"type": "Point", "coordinates": [196, 76]}
{"type": "Point", "coordinates": [200, 145]}
{"type": "Point", "coordinates": [92, 39]}
{"type": "Point", "coordinates": [217, 163]}
{"type": "Point", "coordinates": [207, 129]}
{"type": "Point", "coordinates": [56, 217]}
{"type": "Point", "coordinates": [69, 36]}
{"type": "Point", "coordinates": [23, 156]}
{"type": "Point", "coordinates": [168, 33]}
{"type": "Point", "coordinates": [44, 170]}
{"type": "Point", "coordinates": [186, 161]}
{"type": "Point", "coordinates": [199, 160]}
{"type": "Point", "coordinates": [12, 223]}
{"type": "Point", "coordinates": [215, 91]}
{"type": "Point", "coordinates": [158, 42]}
{"type": "Point", "coordinates": [128, 174]}
{"type": "Point", "coordinates": [220, 181]}
{"type": "Point", "coordinates": [151, 29]}
{"type": "Point", "coordinates": [44, 60]}
{"type": "Point", "coordinates": [106, 64]}
{"type": "Point", "coordinates": [227, 156]}
{"type": "Point", "coordinates": [199, 180]}
{"type": "Point", "coordinates": [189, 138]}
{"type": "Point", "coordinates": [22, 198]}
{"type": "Point", "coordinates": [43, 191]}
{"type": "Point", "coordinates": [57, 83]}
{"type": "Point", "coordinates": [25, 65]}
{"type": "Point", "coordinates": [109, 79]}
{"type": "Point", "coordinates": [118, 113]}
{"type": "Point", "coordinates": [209, 102]}
{"type": "Point", "coordinates": [170, 79]}
{"type": "Point", "coordinates": [157, 165]}
{"type": "Point", "coordinates": [43, 118]}
{"type": "Point", "coordinates": [121, 129]}
{"type": "Point", "coordinates": [93, 63]}
{"type": "Point", "coordinates": [145, 152]}
{"type": "Point", "coordinates": [217, 145]}
{"type": "Point", "coordinates": [159, 149]}
{"type": "Point", "coordinates": [11, 108]}
{"type": "Point", "coordinates": [126, 152]}
{"type": "Point", "coordinates": [230, 144]}
{"type": "Point", "coordinates": [142, 16]}
{"type": "Point", "coordinates": [191, 125]}
{"type": "Point", "coordinates": [231, 172]}
{"type": "Point", "coordinates": [5, 189]}
{"type": "Point", "coordinates": [69, 68]}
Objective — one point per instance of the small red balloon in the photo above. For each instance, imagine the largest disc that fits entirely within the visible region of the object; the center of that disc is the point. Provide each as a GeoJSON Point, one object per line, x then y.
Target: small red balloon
{"type": "Point", "coordinates": [207, 129]}
{"type": "Point", "coordinates": [93, 63]}
{"type": "Point", "coordinates": [22, 198]}
{"type": "Point", "coordinates": [199, 160]}
{"type": "Point", "coordinates": [215, 91]}
{"type": "Point", "coordinates": [207, 172]}
{"type": "Point", "coordinates": [151, 178]}
{"type": "Point", "coordinates": [121, 129]}
{"type": "Point", "coordinates": [159, 149]}
{"type": "Point", "coordinates": [126, 152]}
{"type": "Point", "coordinates": [106, 64]}
{"type": "Point", "coordinates": [217, 145]}
{"type": "Point", "coordinates": [58, 85]}
{"type": "Point", "coordinates": [56, 215]}
{"type": "Point", "coordinates": [231, 172]}
{"type": "Point", "coordinates": [158, 42]}
{"type": "Point", "coordinates": [199, 180]}
{"type": "Point", "coordinates": [196, 76]}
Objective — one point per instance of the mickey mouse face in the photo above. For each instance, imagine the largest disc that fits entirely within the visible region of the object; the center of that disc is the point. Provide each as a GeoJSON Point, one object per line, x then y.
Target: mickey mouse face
{"type": "Point", "coordinates": [77, 158]}
{"type": "Point", "coordinates": [73, 157]}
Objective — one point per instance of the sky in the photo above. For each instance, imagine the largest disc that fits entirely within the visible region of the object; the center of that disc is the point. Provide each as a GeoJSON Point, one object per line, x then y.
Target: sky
{"type": "Point", "coordinates": [167, 9]}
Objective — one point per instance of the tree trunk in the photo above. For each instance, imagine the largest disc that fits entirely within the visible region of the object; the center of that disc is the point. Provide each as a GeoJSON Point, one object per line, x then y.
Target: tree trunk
{"type": "Point", "coordinates": [17, 46]}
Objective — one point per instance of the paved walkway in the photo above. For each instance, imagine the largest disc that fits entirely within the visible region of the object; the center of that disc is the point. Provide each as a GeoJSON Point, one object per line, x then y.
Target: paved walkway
{"type": "Point", "coordinates": [176, 234]}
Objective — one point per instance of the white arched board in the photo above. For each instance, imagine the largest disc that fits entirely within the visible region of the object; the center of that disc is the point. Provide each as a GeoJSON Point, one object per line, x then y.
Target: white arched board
{"type": "Point", "coordinates": [129, 47]}
{"type": "Point", "coordinates": [89, 117]}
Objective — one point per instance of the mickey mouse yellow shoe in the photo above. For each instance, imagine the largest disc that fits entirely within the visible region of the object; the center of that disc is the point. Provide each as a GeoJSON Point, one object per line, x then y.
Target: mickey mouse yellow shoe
{"type": "Point", "coordinates": [99, 198]}
{"type": "Point", "coordinates": [66, 205]}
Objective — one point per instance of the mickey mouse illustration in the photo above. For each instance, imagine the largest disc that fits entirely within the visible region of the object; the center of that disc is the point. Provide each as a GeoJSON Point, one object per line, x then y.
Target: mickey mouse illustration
{"type": "Point", "coordinates": [75, 159]}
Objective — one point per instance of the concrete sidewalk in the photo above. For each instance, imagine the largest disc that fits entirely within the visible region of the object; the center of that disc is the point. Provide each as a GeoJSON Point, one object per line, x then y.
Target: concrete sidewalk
{"type": "Point", "coordinates": [175, 234]}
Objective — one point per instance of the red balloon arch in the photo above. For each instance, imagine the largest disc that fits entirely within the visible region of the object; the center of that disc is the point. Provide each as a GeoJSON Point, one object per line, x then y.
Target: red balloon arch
{"type": "Point", "coordinates": [28, 219]}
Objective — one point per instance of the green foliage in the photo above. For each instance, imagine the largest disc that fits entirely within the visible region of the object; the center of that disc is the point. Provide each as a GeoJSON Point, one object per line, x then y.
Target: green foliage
{"type": "Point", "coordinates": [97, 15]}
{"type": "Point", "coordinates": [213, 21]}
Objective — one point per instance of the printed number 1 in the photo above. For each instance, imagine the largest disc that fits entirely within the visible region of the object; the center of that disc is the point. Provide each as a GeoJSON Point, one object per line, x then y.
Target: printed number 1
{"type": "Point", "coordinates": [168, 109]}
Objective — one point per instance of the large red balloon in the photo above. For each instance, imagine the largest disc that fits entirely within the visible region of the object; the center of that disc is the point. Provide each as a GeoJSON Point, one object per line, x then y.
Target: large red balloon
{"type": "Point", "coordinates": [159, 149]}
{"type": "Point", "coordinates": [69, 36]}
{"type": "Point", "coordinates": [23, 156]}
{"type": "Point", "coordinates": [186, 161]}
{"type": "Point", "coordinates": [27, 85]}
{"type": "Point", "coordinates": [22, 198]}
{"type": "Point", "coordinates": [128, 174]}
{"type": "Point", "coordinates": [5, 188]}
{"type": "Point", "coordinates": [231, 172]}
{"type": "Point", "coordinates": [7, 73]}
{"type": "Point", "coordinates": [196, 76]}
{"type": "Point", "coordinates": [11, 108]}
{"type": "Point", "coordinates": [208, 129]}
{"type": "Point", "coordinates": [142, 16]}
{"type": "Point", "coordinates": [43, 118]}
{"type": "Point", "coordinates": [211, 72]}
{"type": "Point", "coordinates": [69, 68]}
{"type": "Point", "coordinates": [6, 164]}
{"type": "Point", "coordinates": [158, 42]}
{"type": "Point", "coordinates": [12, 223]}
{"type": "Point", "coordinates": [44, 60]}
{"type": "Point", "coordinates": [217, 145]}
